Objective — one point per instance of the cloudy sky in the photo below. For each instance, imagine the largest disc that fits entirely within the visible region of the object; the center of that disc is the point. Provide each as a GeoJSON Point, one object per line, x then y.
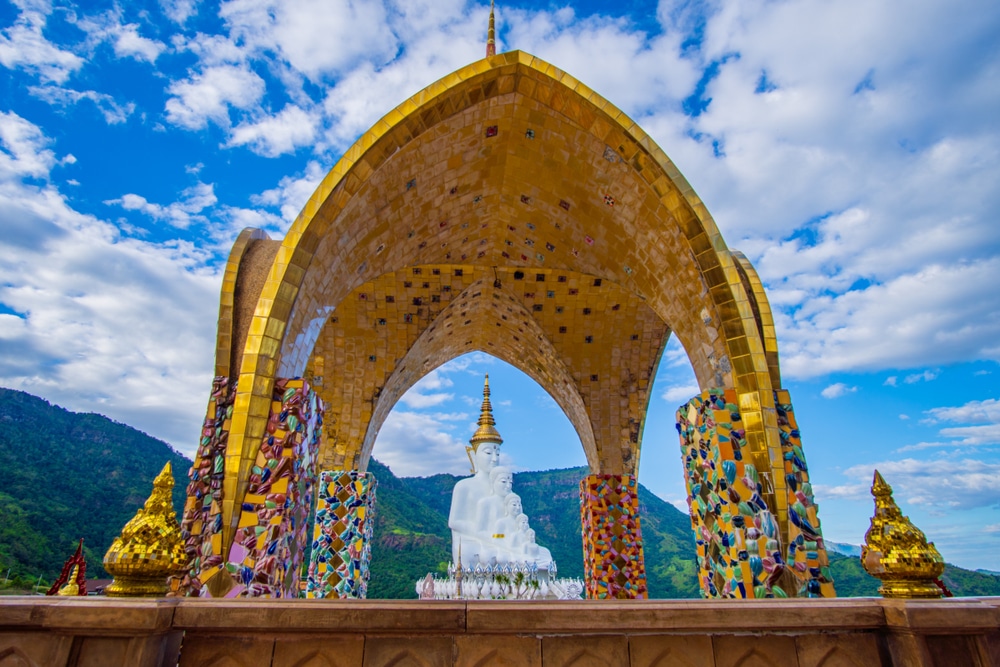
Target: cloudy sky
{"type": "Point", "coordinates": [851, 148]}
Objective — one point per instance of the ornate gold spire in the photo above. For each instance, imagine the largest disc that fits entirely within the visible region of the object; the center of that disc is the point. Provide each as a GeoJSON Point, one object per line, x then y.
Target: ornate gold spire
{"type": "Point", "coordinates": [897, 552]}
{"type": "Point", "coordinates": [491, 42]}
{"type": "Point", "coordinates": [150, 547]}
{"type": "Point", "coordinates": [487, 431]}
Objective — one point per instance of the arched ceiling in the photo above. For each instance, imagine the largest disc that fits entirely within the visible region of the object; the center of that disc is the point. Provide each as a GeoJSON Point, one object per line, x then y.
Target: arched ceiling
{"type": "Point", "coordinates": [593, 345]}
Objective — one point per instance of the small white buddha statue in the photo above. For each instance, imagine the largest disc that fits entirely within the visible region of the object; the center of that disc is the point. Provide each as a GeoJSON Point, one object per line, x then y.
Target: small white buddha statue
{"type": "Point", "coordinates": [484, 454]}
{"type": "Point", "coordinates": [506, 526]}
{"type": "Point", "coordinates": [490, 510]}
{"type": "Point", "coordinates": [486, 518]}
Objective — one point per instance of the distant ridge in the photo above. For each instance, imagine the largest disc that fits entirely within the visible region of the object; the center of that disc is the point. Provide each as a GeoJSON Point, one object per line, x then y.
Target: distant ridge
{"type": "Point", "coordinates": [70, 475]}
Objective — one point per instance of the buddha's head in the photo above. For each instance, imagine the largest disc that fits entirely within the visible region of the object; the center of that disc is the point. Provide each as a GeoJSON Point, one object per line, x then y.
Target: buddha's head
{"type": "Point", "coordinates": [512, 504]}
{"type": "Point", "coordinates": [522, 522]}
{"type": "Point", "coordinates": [485, 457]}
{"type": "Point", "coordinates": [501, 480]}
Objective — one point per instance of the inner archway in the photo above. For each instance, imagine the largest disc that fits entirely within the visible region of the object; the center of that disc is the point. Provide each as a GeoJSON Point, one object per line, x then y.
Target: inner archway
{"type": "Point", "coordinates": [423, 442]}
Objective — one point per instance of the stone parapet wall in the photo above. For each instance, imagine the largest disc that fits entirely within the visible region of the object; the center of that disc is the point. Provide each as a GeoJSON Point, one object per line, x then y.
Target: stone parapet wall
{"type": "Point", "coordinates": [789, 633]}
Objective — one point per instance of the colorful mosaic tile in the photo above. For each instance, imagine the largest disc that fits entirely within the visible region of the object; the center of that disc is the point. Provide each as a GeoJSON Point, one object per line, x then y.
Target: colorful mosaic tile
{"type": "Point", "coordinates": [806, 552]}
{"type": "Point", "coordinates": [342, 537]}
{"type": "Point", "coordinates": [737, 536]}
{"type": "Point", "coordinates": [613, 559]}
{"type": "Point", "coordinates": [201, 525]}
{"type": "Point", "coordinates": [267, 552]}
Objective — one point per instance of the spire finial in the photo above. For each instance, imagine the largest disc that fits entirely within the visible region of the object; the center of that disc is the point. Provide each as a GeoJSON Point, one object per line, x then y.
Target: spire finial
{"type": "Point", "coordinates": [487, 431]}
{"type": "Point", "coordinates": [491, 42]}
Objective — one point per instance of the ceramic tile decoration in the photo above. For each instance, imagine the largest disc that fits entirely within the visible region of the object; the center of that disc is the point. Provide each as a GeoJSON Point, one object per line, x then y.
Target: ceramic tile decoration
{"type": "Point", "coordinates": [613, 558]}
{"type": "Point", "coordinates": [201, 524]}
{"type": "Point", "coordinates": [737, 536]}
{"type": "Point", "coordinates": [806, 551]}
{"type": "Point", "coordinates": [342, 537]}
{"type": "Point", "coordinates": [268, 547]}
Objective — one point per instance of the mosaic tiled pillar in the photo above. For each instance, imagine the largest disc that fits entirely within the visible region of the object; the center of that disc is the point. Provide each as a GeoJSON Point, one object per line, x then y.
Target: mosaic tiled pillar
{"type": "Point", "coordinates": [806, 551]}
{"type": "Point", "coordinates": [738, 538]}
{"type": "Point", "coordinates": [267, 552]}
{"type": "Point", "coordinates": [201, 524]}
{"type": "Point", "coordinates": [613, 560]}
{"type": "Point", "coordinates": [342, 537]}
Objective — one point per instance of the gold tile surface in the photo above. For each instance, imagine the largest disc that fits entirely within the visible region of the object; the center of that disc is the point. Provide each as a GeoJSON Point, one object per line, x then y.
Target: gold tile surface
{"type": "Point", "coordinates": [507, 163]}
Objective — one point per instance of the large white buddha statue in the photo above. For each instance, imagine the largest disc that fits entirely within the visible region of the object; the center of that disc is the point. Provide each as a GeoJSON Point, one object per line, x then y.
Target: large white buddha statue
{"type": "Point", "coordinates": [484, 516]}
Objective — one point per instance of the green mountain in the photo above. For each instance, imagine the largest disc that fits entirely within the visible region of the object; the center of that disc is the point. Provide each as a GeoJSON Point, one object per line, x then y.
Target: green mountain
{"type": "Point", "coordinates": [72, 475]}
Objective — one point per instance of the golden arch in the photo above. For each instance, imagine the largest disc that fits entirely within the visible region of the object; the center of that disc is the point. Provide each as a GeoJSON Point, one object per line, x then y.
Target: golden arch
{"type": "Point", "coordinates": [507, 166]}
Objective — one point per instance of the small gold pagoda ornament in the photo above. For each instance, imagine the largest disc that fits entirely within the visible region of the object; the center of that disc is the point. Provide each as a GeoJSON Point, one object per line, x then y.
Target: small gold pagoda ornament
{"type": "Point", "coordinates": [150, 547]}
{"type": "Point", "coordinates": [897, 552]}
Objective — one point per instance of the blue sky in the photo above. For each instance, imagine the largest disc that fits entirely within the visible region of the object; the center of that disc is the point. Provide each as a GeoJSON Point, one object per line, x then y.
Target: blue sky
{"type": "Point", "coordinates": [851, 149]}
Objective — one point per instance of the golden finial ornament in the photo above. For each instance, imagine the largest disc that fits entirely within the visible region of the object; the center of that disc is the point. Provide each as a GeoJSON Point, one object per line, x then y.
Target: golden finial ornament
{"type": "Point", "coordinates": [150, 547]}
{"type": "Point", "coordinates": [487, 431]}
{"type": "Point", "coordinates": [491, 41]}
{"type": "Point", "coordinates": [73, 578]}
{"type": "Point", "coordinates": [897, 552]}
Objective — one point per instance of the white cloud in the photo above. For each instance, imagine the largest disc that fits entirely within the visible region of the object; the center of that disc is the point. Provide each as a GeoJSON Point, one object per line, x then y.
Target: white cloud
{"type": "Point", "coordinates": [124, 38]}
{"type": "Point", "coordinates": [944, 482]}
{"type": "Point", "coordinates": [979, 425]}
{"type": "Point", "coordinates": [941, 314]}
{"type": "Point", "coordinates": [277, 134]}
{"type": "Point", "coordinates": [904, 417]}
{"type": "Point", "coordinates": [208, 95]}
{"type": "Point", "coordinates": [926, 376]}
{"type": "Point", "coordinates": [23, 46]}
{"type": "Point", "coordinates": [179, 11]}
{"type": "Point", "coordinates": [25, 152]}
{"type": "Point", "coordinates": [415, 445]}
{"type": "Point", "coordinates": [316, 37]}
{"type": "Point", "coordinates": [107, 324]}
{"type": "Point", "coordinates": [837, 390]}
{"type": "Point", "coordinates": [112, 111]}
{"type": "Point", "coordinates": [890, 381]}
{"type": "Point", "coordinates": [426, 393]}
{"type": "Point", "coordinates": [181, 213]}
{"type": "Point", "coordinates": [987, 410]}
{"type": "Point", "coordinates": [677, 394]}
{"type": "Point", "coordinates": [292, 192]}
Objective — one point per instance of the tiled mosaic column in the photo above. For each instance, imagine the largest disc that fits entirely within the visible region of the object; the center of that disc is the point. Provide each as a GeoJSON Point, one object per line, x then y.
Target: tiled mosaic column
{"type": "Point", "coordinates": [806, 551]}
{"type": "Point", "coordinates": [266, 556]}
{"type": "Point", "coordinates": [613, 560]}
{"type": "Point", "coordinates": [201, 524]}
{"type": "Point", "coordinates": [342, 537]}
{"type": "Point", "coordinates": [738, 538]}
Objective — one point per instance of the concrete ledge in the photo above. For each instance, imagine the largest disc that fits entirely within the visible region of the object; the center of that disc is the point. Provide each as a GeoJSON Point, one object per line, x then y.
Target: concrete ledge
{"type": "Point", "coordinates": [371, 633]}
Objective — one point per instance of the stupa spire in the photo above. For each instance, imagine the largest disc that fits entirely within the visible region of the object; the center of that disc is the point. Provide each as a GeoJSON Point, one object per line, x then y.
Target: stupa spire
{"type": "Point", "coordinates": [491, 41]}
{"type": "Point", "coordinates": [487, 431]}
{"type": "Point", "coordinates": [897, 552]}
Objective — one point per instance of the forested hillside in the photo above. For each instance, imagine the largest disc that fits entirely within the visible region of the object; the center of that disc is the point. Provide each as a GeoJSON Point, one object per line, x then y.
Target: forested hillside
{"type": "Point", "coordinates": [70, 475]}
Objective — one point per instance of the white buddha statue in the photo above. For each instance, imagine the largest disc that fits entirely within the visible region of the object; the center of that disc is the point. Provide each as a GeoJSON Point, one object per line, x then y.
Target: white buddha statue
{"type": "Point", "coordinates": [486, 517]}
{"type": "Point", "coordinates": [484, 454]}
